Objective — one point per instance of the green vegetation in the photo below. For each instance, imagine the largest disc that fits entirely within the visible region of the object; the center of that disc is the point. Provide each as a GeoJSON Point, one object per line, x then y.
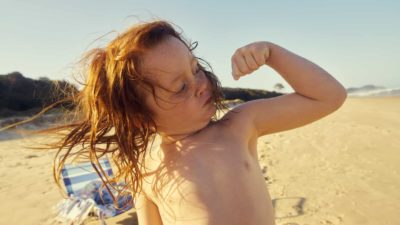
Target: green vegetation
{"type": "Point", "coordinates": [21, 96]}
{"type": "Point", "coordinates": [245, 94]}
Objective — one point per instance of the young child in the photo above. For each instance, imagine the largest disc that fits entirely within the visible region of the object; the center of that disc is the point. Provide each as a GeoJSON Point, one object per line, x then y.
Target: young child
{"type": "Point", "coordinates": [205, 170]}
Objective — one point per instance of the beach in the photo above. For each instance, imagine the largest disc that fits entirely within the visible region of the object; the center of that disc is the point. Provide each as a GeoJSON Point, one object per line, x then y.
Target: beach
{"type": "Point", "coordinates": [341, 169]}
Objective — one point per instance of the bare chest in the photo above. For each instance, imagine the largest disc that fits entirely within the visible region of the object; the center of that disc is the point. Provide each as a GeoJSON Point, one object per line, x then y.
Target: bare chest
{"type": "Point", "coordinates": [208, 182]}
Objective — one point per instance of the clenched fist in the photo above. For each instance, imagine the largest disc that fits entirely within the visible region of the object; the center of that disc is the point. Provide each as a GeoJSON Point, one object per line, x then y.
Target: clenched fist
{"type": "Point", "coordinates": [249, 58]}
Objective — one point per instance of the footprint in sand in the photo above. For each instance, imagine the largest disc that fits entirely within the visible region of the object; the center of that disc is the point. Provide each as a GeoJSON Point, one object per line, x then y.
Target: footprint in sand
{"type": "Point", "coordinates": [265, 158]}
{"type": "Point", "coordinates": [340, 192]}
{"type": "Point", "coordinates": [271, 163]}
{"type": "Point", "coordinates": [264, 170]}
{"type": "Point", "coordinates": [313, 209]}
{"type": "Point", "coordinates": [288, 207]}
{"type": "Point", "coordinates": [332, 220]}
{"type": "Point", "coordinates": [268, 179]}
{"type": "Point", "coordinates": [18, 164]}
{"type": "Point", "coordinates": [31, 156]}
{"type": "Point", "coordinates": [326, 222]}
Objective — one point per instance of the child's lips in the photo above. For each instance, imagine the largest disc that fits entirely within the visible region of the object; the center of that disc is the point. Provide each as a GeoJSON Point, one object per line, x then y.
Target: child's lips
{"type": "Point", "coordinates": [208, 100]}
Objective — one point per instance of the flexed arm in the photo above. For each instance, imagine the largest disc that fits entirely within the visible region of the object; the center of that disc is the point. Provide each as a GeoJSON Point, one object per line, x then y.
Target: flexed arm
{"type": "Point", "coordinates": [305, 77]}
{"type": "Point", "coordinates": [317, 93]}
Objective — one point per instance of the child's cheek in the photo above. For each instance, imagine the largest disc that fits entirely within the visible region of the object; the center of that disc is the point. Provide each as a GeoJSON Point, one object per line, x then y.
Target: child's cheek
{"type": "Point", "coordinates": [189, 107]}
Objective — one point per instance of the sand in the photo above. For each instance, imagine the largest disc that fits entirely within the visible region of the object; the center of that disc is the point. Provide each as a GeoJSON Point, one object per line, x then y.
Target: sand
{"type": "Point", "coordinates": [342, 169]}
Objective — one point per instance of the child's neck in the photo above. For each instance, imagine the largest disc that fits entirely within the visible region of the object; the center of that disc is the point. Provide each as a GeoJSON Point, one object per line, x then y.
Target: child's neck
{"type": "Point", "coordinates": [178, 139]}
{"type": "Point", "coordinates": [175, 139]}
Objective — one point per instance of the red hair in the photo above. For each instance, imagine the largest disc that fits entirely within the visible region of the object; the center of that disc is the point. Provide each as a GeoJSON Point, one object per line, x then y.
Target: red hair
{"type": "Point", "coordinates": [112, 118]}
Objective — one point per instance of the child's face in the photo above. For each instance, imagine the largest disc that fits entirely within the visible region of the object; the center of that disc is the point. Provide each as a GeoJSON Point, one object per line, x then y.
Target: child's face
{"type": "Point", "coordinates": [186, 107]}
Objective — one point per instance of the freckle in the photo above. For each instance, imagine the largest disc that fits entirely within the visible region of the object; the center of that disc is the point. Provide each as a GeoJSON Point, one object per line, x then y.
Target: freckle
{"type": "Point", "coordinates": [246, 165]}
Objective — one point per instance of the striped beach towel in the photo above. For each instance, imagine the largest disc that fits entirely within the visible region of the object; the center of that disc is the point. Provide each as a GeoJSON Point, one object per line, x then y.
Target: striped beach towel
{"type": "Point", "coordinates": [83, 186]}
{"type": "Point", "coordinates": [77, 176]}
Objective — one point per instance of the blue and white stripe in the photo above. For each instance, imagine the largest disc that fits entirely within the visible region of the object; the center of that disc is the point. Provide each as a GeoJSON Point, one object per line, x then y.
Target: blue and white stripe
{"type": "Point", "coordinates": [77, 176]}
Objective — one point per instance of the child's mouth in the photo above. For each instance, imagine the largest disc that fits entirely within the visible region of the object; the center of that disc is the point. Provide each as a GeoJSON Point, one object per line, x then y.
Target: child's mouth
{"type": "Point", "coordinates": [208, 101]}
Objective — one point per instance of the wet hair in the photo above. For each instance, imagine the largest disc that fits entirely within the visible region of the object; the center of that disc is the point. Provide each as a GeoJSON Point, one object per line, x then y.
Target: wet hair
{"type": "Point", "coordinates": [111, 118]}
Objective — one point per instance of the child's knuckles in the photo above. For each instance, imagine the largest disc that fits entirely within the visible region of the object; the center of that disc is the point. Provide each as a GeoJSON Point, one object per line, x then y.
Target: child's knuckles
{"type": "Point", "coordinates": [235, 63]}
{"type": "Point", "coordinates": [234, 57]}
{"type": "Point", "coordinates": [251, 62]}
{"type": "Point", "coordinates": [238, 52]}
{"type": "Point", "coordinates": [260, 59]}
{"type": "Point", "coordinates": [254, 48]}
{"type": "Point", "coordinates": [242, 51]}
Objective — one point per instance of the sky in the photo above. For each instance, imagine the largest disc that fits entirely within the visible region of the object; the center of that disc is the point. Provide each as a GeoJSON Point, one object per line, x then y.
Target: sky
{"type": "Point", "coordinates": [357, 42]}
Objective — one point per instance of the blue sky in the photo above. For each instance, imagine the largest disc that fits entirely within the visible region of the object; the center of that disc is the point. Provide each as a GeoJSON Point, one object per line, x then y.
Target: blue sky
{"type": "Point", "coordinates": [358, 42]}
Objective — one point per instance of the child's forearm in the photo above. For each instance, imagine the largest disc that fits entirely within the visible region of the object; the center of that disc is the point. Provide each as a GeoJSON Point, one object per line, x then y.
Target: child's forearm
{"type": "Point", "coordinates": [306, 78]}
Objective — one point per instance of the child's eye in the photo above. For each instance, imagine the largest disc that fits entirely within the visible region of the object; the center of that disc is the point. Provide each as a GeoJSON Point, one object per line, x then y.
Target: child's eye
{"type": "Point", "coordinates": [184, 86]}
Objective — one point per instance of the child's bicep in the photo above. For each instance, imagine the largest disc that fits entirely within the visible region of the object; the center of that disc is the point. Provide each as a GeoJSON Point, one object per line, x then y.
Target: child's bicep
{"type": "Point", "coordinates": [266, 116]}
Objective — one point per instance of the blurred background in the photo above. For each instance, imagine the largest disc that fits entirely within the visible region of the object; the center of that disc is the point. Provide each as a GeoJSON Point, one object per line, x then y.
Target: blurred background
{"type": "Point", "coordinates": [356, 41]}
{"type": "Point", "coordinates": [339, 170]}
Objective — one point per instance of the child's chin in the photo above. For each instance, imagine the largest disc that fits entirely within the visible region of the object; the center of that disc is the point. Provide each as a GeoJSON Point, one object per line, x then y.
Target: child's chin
{"type": "Point", "coordinates": [212, 110]}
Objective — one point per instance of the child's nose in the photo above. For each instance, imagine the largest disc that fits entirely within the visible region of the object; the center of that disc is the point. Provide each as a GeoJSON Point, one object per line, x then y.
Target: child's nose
{"type": "Point", "coordinates": [201, 85]}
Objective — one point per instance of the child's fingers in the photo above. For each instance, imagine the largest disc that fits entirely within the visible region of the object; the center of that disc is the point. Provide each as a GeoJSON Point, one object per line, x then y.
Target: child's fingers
{"type": "Point", "coordinates": [260, 59]}
{"type": "Point", "coordinates": [235, 71]}
{"type": "Point", "coordinates": [241, 66]}
{"type": "Point", "coordinates": [250, 62]}
{"type": "Point", "coordinates": [249, 58]}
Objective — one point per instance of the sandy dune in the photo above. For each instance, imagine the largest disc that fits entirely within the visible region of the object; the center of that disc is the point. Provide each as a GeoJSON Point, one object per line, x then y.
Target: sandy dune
{"type": "Point", "coordinates": [342, 169]}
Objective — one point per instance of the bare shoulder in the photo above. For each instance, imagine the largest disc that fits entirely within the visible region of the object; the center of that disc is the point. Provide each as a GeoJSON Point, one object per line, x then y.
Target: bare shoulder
{"type": "Point", "coordinates": [146, 210]}
{"type": "Point", "coordinates": [266, 116]}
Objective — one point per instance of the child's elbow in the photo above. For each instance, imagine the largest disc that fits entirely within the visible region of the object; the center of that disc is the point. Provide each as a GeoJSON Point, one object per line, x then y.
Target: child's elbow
{"type": "Point", "coordinates": [339, 98]}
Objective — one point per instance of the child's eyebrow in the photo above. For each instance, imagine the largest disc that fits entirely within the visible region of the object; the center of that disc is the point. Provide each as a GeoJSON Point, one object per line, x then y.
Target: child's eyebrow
{"type": "Point", "coordinates": [193, 58]}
